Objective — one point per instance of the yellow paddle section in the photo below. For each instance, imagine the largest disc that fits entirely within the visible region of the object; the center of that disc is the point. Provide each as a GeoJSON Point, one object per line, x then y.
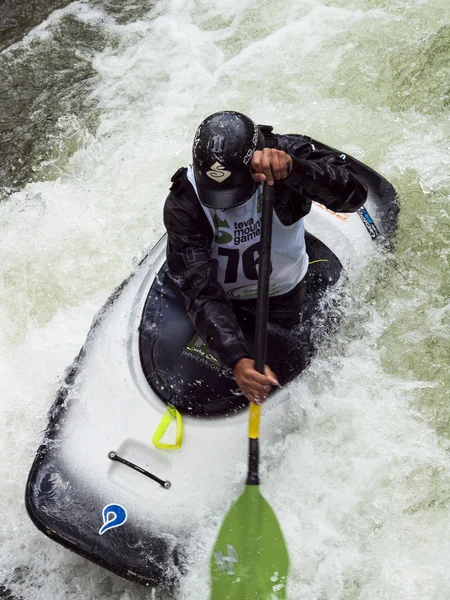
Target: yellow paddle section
{"type": "Point", "coordinates": [170, 414]}
{"type": "Point", "coordinates": [253, 421]}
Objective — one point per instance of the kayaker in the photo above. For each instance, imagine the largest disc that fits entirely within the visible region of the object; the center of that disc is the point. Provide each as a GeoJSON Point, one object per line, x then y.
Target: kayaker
{"type": "Point", "coordinates": [213, 217]}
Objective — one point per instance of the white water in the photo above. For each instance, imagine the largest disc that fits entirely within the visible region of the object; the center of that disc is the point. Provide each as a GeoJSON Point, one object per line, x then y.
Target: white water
{"type": "Point", "coordinates": [365, 482]}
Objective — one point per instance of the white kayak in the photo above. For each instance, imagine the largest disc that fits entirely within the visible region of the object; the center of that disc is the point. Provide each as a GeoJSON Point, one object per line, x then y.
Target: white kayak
{"type": "Point", "coordinates": [107, 482]}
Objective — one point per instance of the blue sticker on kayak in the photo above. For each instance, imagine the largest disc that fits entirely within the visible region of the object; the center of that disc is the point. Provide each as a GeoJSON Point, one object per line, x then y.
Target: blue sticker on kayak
{"type": "Point", "coordinates": [114, 515]}
{"type": "Point", "coordinates": [368, 222]}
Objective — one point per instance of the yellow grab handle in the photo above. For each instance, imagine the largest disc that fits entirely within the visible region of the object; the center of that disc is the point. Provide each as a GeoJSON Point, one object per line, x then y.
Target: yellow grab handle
{"type": "Point", "coordinates": [170, 414]}
{"type": "Point", "coordinates": [253, 421]}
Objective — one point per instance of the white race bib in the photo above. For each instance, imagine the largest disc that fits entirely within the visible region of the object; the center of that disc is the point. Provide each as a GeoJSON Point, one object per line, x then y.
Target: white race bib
{"type": "Point", "coordinates": [236, 245]}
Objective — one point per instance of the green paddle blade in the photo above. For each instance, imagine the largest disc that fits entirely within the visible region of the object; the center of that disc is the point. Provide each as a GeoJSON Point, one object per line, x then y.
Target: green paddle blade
{"type": "Point", "coordinates": [250, 559]}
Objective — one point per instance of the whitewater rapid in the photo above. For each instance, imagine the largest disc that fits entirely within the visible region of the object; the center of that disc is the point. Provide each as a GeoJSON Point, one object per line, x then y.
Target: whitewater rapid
{"type": "Point", "coordinates": [365, 479]}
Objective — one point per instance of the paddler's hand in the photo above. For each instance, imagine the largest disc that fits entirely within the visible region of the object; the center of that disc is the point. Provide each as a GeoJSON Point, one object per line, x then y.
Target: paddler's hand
{"type": "Point", "coordinates": [253, 385]}
{"type": "Point", "coordinates": [270, 164]}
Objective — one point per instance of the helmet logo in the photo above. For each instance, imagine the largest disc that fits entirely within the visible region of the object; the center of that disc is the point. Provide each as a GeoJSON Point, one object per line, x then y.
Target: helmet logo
{"type": "Point", "coordinates": [218, 172]}
{"type": "Point", "coordinates": [217, 144]}
{"type": "Point", "coordinates": [251, 150]}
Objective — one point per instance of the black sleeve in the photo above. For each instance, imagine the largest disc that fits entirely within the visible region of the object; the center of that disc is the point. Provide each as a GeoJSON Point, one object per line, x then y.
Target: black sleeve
{"type": "Point", "coordinates": [322, 175]}
{"type": "Point", "coordinates": [191, 266]}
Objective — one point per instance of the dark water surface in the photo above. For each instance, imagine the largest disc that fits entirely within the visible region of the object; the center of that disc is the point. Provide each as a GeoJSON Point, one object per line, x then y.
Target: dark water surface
{"type": "Point", "coordinates": [45, 84]}
{"type": "Point", "coordinates": [17, 17]}
{"type": "Point", "coordinates": [34, 94]}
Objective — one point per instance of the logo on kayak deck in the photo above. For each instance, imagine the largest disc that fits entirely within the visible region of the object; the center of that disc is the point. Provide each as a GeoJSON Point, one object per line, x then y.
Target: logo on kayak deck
{"type": "Point", "coordinates": [198, 350]}
{"type": "Point", "coordinates": [114, 515]}
{"type": "Point", "coordinates": [227, 562]}
{"type": "Point", "coordinates": [368, 222]}
{"type": "Point", "coordinates": [341, 216]}
{"type": "Point", "coordinates": [218, 172]}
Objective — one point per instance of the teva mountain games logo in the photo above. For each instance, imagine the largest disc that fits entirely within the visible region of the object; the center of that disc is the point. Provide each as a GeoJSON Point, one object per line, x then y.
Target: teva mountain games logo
{"type": "Point", "coordinates": [250, 291]}
{"type": "Point", "coordinates": [218, 172]}
{"type": "Point", "coordinates": [244, 231]}
{"type": "Point", "coordinates": [221, 236]}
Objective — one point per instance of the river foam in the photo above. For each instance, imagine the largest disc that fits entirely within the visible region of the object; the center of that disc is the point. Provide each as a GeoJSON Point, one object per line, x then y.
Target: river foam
{"type": "Point", "coordinates": [362, 486]}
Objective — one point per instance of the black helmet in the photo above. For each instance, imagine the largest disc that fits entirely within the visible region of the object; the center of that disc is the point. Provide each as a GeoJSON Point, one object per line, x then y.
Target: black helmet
{"type": "Point", "coordinates": [223, 148]}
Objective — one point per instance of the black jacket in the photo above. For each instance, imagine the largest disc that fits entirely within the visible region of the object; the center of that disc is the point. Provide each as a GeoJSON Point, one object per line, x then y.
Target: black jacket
{"type": "Point", "coordinates": [317, 175]}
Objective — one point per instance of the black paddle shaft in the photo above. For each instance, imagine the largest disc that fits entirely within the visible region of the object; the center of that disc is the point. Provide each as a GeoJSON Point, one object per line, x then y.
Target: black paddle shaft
{"type": "Point", "coordinates": [262, 312]}
{"type": "Point", "coordinates": [262, 303]}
